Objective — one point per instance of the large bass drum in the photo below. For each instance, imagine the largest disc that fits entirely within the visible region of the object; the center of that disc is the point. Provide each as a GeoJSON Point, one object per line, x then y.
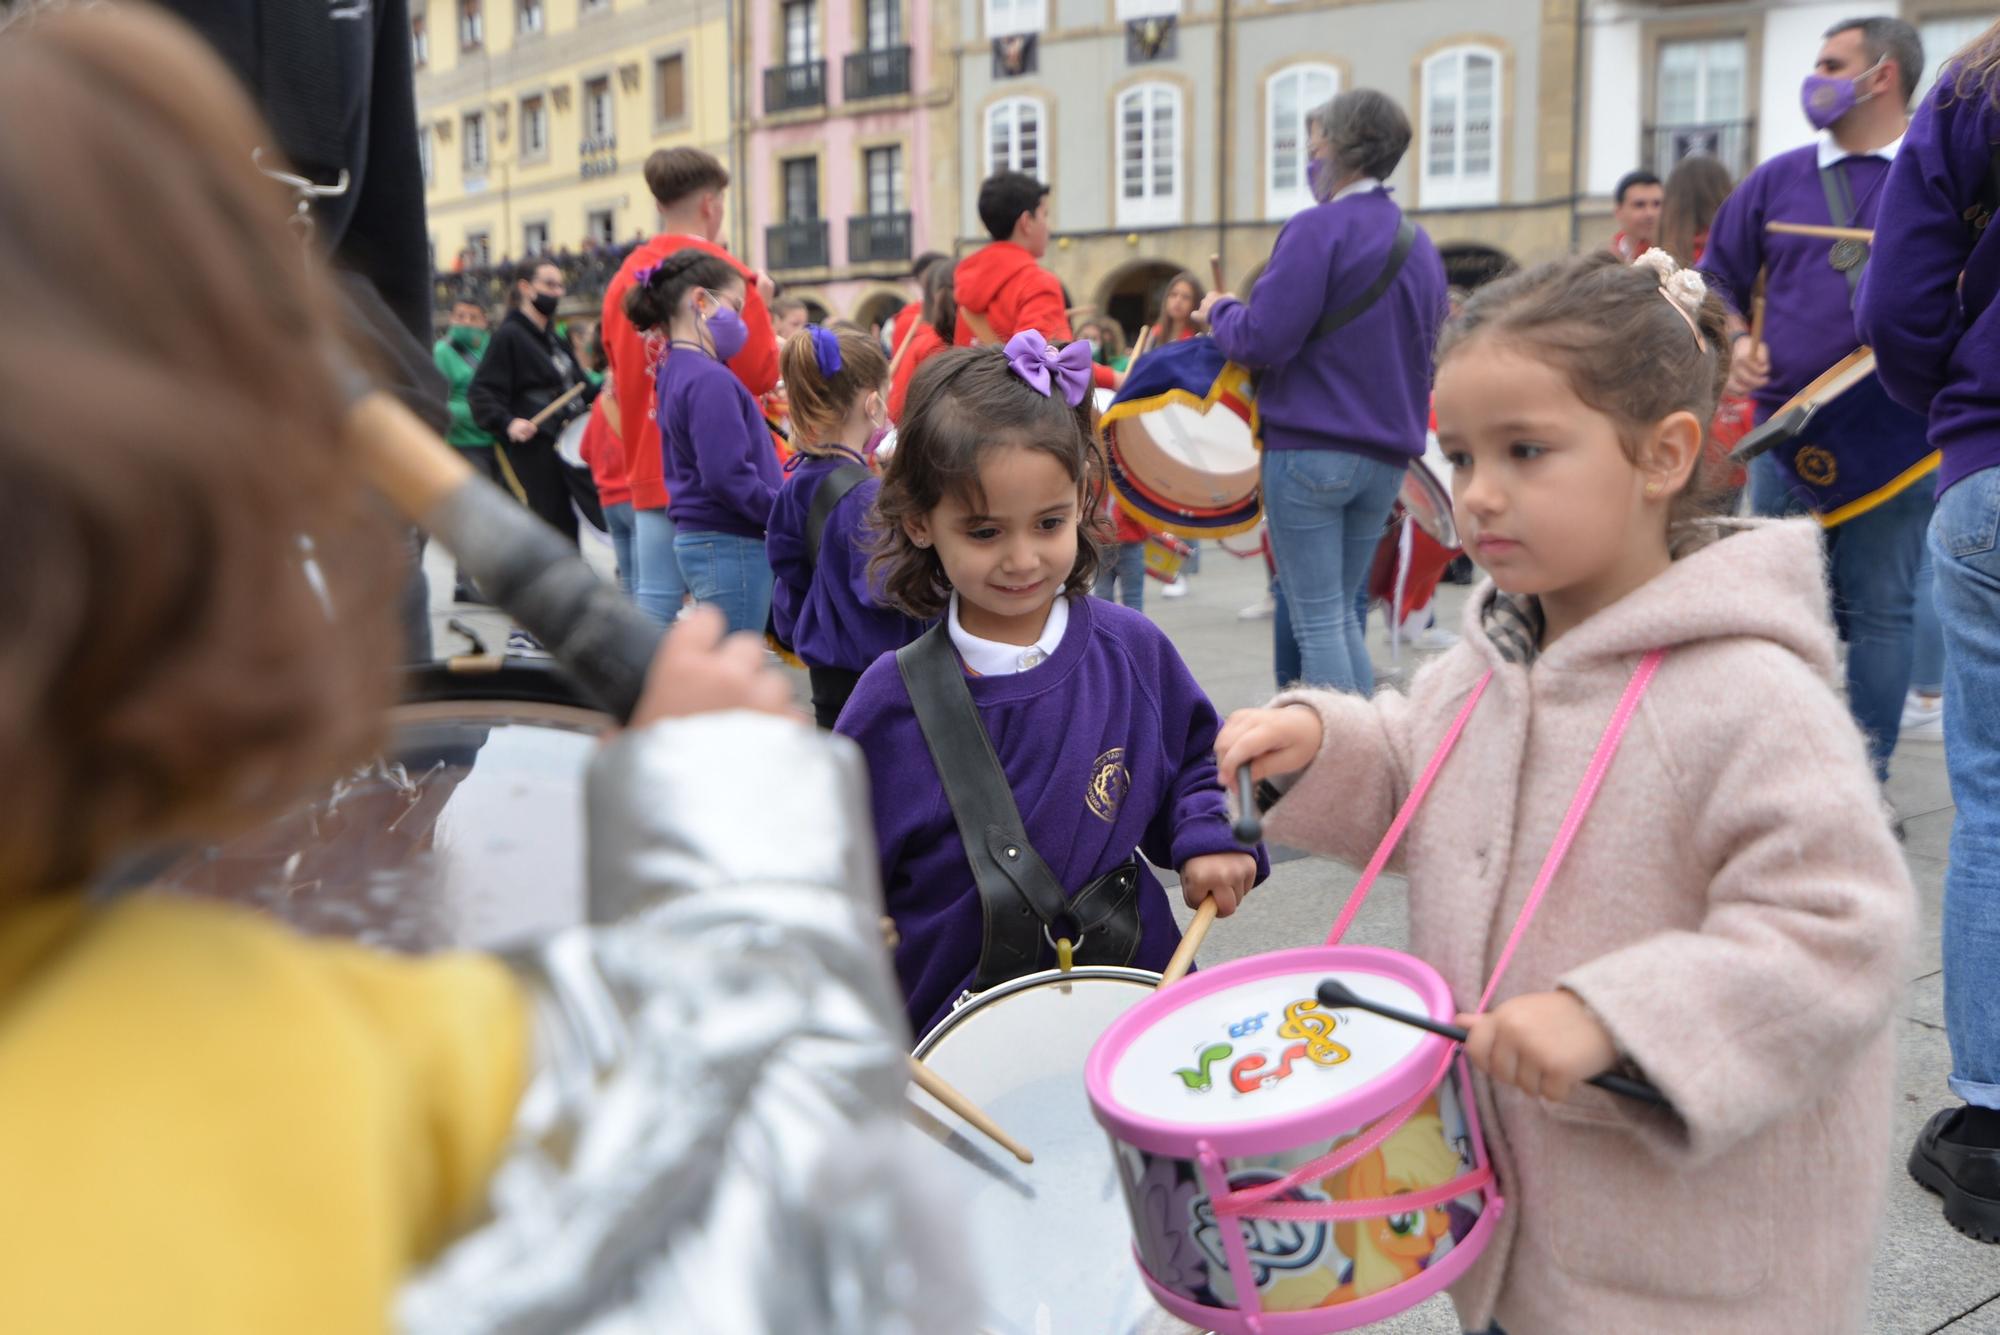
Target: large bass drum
{"type": "Point", "coordinates": [467, 831]}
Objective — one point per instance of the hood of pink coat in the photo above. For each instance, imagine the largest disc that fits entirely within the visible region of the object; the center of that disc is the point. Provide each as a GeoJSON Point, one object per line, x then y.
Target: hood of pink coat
{"type": "Point", "coordinates": [1731, 579]}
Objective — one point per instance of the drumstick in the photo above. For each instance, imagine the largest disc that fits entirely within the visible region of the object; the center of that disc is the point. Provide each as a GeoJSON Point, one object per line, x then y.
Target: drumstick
{"type": "Point", "coordinates": [1821, 229]}
{"type": "Point", "coordinates": [903, 347]}
{"type": "Point", "coordinates": [1336, 995]}
{"type": "Point", "coordinates": [550, 411]}
{"type": "Point", "coordinates": [938, 1088]}
{"type": "Point", "coordinates": [1183, 960]}
{"type": "Point", "coordinates": [516, 559]}
{"type": "Point", "coordinates": [1139, 345]}
{"type": "Point", "coordinates": [1249, 827]}
{"type": "Point", "coordinates": [1215, 273]}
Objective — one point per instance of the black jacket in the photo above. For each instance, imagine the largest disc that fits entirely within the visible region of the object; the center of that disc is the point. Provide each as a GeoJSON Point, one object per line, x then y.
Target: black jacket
{"type": "Point", "coordinates": [523, 371]}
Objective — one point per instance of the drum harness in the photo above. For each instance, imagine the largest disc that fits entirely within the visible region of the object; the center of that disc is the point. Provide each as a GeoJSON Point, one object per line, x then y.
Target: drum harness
{"type": "Point", "coordinates": [1021, 900]}
{"type": "Point", "coordinates": [831, 492]}
{"type": "Point", "coordinates": [1339, 318]}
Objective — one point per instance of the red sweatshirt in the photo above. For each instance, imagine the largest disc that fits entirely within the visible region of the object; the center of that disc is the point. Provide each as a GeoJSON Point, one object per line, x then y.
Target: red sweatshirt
{"type": "Point", "coordinates": [924, 345]}
{"type": "Point", "coordinates": [1003, 283]}
{"type": "Point", "coordinates": [606, 457]}
{"type": "Point", "coordinates": [900, 326]}
{"type": "Point", "coordinates": [633, 362]}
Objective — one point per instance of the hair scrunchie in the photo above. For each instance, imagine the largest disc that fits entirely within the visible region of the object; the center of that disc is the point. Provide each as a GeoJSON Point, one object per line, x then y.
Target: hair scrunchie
{"type": "Point", "coordinates": [826, 349]}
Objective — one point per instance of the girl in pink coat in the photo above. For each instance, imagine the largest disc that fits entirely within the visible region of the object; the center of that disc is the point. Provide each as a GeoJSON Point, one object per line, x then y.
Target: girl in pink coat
{"type": "Point", "coordinates": [1732, 919]}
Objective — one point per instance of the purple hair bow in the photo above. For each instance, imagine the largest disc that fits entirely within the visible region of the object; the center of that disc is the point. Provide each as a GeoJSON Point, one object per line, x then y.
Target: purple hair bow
{"type": "Point", "coordinates": [1030, 357]}
{"type": "Point", "coordinates": [826, 349]}
{"type": "Point", "coordinates": [644, 276]}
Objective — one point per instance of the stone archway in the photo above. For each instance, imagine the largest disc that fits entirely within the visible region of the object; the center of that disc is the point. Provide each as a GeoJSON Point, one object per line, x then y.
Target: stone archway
{"type": "Point", "coordinates": [1131, 293]}
{"type": "Point", "coordinates": [1469, 265]}
{"type": "Point", "coordinates": [878, 308]}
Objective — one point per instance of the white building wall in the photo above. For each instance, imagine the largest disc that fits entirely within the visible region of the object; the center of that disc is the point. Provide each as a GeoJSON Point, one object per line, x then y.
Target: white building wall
{"type": "Point", "coordinates": [1615, 117]}
{"type": "Point", "coordinates": [1792, 37]}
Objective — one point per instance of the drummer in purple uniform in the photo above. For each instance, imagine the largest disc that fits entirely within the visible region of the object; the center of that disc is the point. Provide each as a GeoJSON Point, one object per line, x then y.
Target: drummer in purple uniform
{"type": "Point", "coordinates": [1866, 480]}
{"type": "Point", "coordinates": [1351, 304]}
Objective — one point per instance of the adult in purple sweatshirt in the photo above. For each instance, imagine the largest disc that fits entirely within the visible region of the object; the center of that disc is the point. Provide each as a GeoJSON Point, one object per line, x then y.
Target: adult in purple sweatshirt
{"type": "Point", "coordinates": [1343, 413]}
{"type": "Point", "coordinates": [830, 611]}
{"type": "Point", "coordinates": [1860, 471]}
{"type": "Point", "coordinates": [1108, 745]}
{"type": "Point", "coordinates": [1928, 308]}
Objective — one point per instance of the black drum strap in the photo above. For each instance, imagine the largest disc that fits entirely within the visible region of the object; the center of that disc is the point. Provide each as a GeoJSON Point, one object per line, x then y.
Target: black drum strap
{"type": "Point", "coordinates": [1019, 896]}
{"type": "Point", "coordinates": [1406, 237]}
{"type": "Point", "coordinates": [831, 492]}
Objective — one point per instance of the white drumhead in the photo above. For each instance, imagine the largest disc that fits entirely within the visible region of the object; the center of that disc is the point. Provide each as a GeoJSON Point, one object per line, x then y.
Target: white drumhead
{"type": "Point", "coordinates": [569, 445]}
{"type": "Point", "coordinates": [1223, 1060]}
{"type": "Point", "coordinates": [1051, 1240]}
{"type": "Point", "coordinates": [1214, 442]}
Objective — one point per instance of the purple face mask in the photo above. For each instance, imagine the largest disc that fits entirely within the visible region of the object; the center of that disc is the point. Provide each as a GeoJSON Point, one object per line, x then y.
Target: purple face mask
{"type": "Point", "coordinates": [726, 327]}
{"type": "Point", "coordinates": [1315, 175]}
{"type": "Point", "coordinates": [1826, 99]}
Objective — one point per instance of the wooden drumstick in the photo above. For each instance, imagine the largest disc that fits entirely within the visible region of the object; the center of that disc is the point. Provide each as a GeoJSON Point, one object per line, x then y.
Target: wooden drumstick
{"type": "Point", "coordinates": [1822, 230]}
{"type": "Point", "coordinates": [1336, 995]}
{"type": "Point", "coordinates": [938, 1088]}
{"type": "Point", "coordinates": [903, 347]}
{"type": "Point", "coordinates": [1215, 273]}
{"type": "Point", "coordinates": [1197, 932]}
{"type": "Point", "coordinates": [550, 411]}
{"type": "Point", "coordinates": [1140, 345]}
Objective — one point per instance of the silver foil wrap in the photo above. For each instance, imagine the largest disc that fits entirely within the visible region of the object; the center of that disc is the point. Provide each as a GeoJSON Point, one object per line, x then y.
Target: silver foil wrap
{"type": "Point", "coordinates": [710, 1139]}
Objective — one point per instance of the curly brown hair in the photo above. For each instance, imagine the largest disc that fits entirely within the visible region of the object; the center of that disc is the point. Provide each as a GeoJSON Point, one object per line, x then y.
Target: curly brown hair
{"type": "Point", "coordinates": [196, 597]}
{"type": "Point", "coordinates": [963, 403]}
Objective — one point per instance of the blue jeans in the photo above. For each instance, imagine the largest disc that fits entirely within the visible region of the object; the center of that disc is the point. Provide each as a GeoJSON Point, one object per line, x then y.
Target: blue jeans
{"type": "Point", "coordinates": [730, 571]}
{"type": "Point", "coordinates": [1965, 545]}
{"type": "Point", "coordinates": [1872, 565]}
{"type": "Point", "coordinates": [1325, 510]}
{"type": "Point", "coordinates": [1124, 562]}
{"type": "Point", "coordinates": [1927, 653]}
{"type": "Point", "coordinates": [657, 584]}
{"type": "Point", "coordinates": [618, 523]}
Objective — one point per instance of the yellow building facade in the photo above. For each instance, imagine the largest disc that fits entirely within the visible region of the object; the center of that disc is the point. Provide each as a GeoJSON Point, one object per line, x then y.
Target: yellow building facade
{"type": "Point", "coordinates": [535, 117]}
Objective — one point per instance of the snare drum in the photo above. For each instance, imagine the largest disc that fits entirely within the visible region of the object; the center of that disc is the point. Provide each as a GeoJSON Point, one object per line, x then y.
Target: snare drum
{"type": "Point", "coordinates": [468, 831]}
{"type": "Point", "coordinates": [1049, 1239]}
{"type": "Point", "coordinates": [1289, 1169]}
{"type": "Point", "coordinates": [1181, 443]}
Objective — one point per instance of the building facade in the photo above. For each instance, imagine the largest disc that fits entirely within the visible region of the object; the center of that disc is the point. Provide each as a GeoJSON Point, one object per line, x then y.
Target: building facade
{"type": "Point", "coordinates": [1174, 130]}
{"type": "Point", "coordinates": [1665, 80]}
{"type": "Point", "coordinates": [535, 118]}
{"type": "Point", "coordinates": [848, 132]}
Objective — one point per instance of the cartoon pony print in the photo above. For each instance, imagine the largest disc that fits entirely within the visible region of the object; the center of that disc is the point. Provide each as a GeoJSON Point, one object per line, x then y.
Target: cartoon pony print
{"type": "Point", "coordinates": [1385, 1251]}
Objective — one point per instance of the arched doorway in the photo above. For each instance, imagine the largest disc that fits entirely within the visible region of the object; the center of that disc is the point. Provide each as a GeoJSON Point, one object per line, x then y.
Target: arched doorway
{"type": "Point", "coordinates": [1131, 295]}
{"type": "Point", "coordinates": [817, 311]}
{"type": "Point", "coordinates": [878, 308]}
{"type": "Point", "coordinates": [1469, 265]}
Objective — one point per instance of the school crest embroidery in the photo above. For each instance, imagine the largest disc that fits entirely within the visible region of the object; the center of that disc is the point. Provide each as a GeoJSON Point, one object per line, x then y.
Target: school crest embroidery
{"type": "Point", "coordinates": [1109, 783]}
{"type": "Point", "coordinates": [1816, 466]}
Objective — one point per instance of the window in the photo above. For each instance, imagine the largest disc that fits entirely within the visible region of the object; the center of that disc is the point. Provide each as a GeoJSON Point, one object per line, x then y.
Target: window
{"type": "Point", "coordinates": [475, 143]}
{"type": "Point", "coordinates": [1943, 37]}
{"type": "Point", "coordinates": [801, 189]}
{"type": "Point", "coordinates": [471, 25]}
{"type": "Point", "coordinates": [528, 18]}
{"type": "Point", "coordinates": [1700, 103]}
{"type": "Point", "coordinates": [427, 154]}
{"type": "Point", "coordinates": [1290, 96]}
{"type": "Point", "coordinates": [1146, 9]}
{"type": "Point", "coordinates": [801, 32]}
{"type": "Point", "coordinates": [1149, 157]}
{"type": "Point", "coordinates": [420, 42]}
{"type": "Point", "coordinates": [1004, 18]}
{"type": "Point", "coordinates": [1461, 91]}
{"type": "Point", "coordinates": [884, 171]}
{"type": "Point", "coordinates": [534, 127]}
{"type": "Point", "coordinates": [601, 226]}
{"type": "Point", "coordinates": [669, 88]}
{"type": "Point", "coordinates": [534, 238]}
{"type": "Point", "coordinates": [885, 24]}
{"type": "Point", "coordinates": [598, 125]}
{"type": "Point", "coordinates": [479, 249]}
{"type": "Point", "coordinates": [1014, 137]}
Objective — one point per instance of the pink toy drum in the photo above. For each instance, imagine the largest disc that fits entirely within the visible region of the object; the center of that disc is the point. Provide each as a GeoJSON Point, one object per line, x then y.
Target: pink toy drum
{"type": "Point", "coordinates": [1290, 1169]}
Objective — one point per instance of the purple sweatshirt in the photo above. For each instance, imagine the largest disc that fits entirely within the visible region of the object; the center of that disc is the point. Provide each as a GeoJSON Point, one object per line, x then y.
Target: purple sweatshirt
{"type": "Point", "coordinates": [1937, 344]}
{"type": "Point", "coordinates": [1365, 387]}
{"type": "Point", "coordinates": [1108, 746]}
{"type": "Point", "coordinates": [1808, 316]}
{"type": "Point", "coordinates": [721, 467]}
{"type": "Point", "coordinates": [832, 616]}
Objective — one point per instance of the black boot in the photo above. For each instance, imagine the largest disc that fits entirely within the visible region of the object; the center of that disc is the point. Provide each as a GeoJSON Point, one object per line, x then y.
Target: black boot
{"type": "Point", "coordinates": [1951, 1159]}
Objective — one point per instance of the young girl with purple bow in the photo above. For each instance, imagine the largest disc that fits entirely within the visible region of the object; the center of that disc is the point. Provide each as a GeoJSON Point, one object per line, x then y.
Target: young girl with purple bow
{"type": "Point", "coordinates": [825, 604]}
{"type": "Point", "coordinates": [721, 471]}
{"type": "Point", "coordinates": [985, 519]}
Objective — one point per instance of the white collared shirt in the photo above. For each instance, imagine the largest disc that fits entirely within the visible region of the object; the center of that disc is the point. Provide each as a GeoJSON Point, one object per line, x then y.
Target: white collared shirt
{"type": "Point", "coordinates": [1360, 187]}
{"type": "Point", "coordinates": [1831, 152]}
{"type": "Point", "coordinates": [990, 658]}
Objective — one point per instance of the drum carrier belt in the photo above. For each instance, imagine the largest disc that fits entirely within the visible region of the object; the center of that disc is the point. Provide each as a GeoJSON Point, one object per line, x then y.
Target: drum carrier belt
{"type": "Point", "coordinates": [1342, 316]}
{"type": "Point", "coordinates": [819, 514]}
{"type": "Point", "coordinates": [1020, 898]}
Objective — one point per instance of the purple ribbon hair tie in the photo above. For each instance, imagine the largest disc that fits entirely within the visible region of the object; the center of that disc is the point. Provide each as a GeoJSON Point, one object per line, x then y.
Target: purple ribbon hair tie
{"type": "Point", "coordinates": [644, 277]}
{"type": "Point", "coordinates": [826, 349]}
{"type": "Point", "coordinates": [1044, 368]}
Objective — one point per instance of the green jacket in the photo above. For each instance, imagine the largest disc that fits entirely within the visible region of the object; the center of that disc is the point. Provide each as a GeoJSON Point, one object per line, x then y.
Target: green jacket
{"type": "Point", "coordinates": [457, 370]}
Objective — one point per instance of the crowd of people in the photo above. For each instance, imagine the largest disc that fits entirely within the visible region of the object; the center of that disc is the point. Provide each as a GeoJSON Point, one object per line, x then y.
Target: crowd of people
{"type": "Point", "coordinates": [256, 1131]}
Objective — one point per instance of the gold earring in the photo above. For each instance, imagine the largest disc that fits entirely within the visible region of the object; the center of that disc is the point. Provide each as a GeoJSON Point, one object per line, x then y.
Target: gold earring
{"type": "Point", "coordinates": [1652, 488]}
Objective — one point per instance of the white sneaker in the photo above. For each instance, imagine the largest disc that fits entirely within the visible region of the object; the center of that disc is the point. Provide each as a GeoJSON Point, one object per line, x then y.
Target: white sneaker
{"type": "Point", "coordinates": [1923, 715]}
{"type": "Point", "coordinates": [1267, 606]}
{"type": "Point", "coordinates": [520, 644]}
{"type": "Point", "coordinates": [1177, 589]}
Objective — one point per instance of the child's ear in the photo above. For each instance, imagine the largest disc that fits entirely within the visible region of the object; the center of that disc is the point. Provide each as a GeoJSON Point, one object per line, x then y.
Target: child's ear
{"type": "Point", "coordinates": [917, 528]}
{"type": "Point", "coordinates": [1673, 452]}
